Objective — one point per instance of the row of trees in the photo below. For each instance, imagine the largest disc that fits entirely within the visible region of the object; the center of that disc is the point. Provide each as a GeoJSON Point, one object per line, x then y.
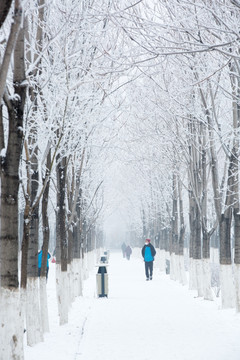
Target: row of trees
{"type": "Point", "coordinates": [51, 106]}
{"type": "Point", "coordinates": [192, 99]}
{"type": "Point", "coordinates": [142, 95]}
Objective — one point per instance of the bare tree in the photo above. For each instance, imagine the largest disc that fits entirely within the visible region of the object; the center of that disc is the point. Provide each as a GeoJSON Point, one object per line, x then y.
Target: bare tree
{"type": "Point", "coordinates": [10, 160]}
{"type": "Point", "coordinates": [4, 9]}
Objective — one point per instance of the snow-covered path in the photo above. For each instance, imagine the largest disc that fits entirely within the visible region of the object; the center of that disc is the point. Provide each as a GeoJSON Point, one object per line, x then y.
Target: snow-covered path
{"type": "Point", "coordinates": [140, 320]}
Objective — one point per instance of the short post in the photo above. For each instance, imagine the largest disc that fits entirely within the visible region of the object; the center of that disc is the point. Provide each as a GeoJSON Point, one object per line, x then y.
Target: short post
{"type": "Point", "coordinates": [102, 278]}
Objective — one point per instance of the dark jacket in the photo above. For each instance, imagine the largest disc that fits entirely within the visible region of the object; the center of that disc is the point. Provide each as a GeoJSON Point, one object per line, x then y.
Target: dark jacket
{"type": "Point", "coordinates": [128, 250]}
{"type": "Point", "coordinates": [153, 251]}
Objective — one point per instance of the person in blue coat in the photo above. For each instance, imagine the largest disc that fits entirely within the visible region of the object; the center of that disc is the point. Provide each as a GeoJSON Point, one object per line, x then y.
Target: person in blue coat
{"type": "Point", "coordinates": [148, 253]}
{"type": "Point", "coordinates": [40, 263]}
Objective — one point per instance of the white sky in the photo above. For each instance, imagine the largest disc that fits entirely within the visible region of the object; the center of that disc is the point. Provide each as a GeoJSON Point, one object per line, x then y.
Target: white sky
{"type": "Point", "coordinates": [139, 320]}
{"type": "Point", "coordinates": [115, 229]}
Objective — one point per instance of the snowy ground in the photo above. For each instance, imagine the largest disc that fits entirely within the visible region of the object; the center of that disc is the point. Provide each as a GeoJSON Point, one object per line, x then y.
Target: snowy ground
{"type": "Point", "coordinates": [140, 320]}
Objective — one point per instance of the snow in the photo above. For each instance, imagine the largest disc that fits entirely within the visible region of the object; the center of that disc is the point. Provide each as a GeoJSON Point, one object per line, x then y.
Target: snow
{"type": "Point", "coordinates": [3, 152]}
{"type": "Point", "coordinates": [140, 320]}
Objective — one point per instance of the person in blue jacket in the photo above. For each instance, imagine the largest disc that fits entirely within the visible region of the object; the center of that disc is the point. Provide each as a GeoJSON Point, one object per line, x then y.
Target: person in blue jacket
{"type": "Point", "coordinates": [148, 253]}
{"type": "Point", "coordinates": [40, 263]}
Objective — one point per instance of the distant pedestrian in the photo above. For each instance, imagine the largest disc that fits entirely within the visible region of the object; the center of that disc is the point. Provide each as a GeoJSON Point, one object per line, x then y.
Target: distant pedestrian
{"type": "Point", "coordinates": [123, 247]}
{"type": "Point", "coordinates": [40, 263]}
{"type": "Point", "coordinates": [128, 252]}
{"type": "Point", "coordinates": [148, 253]}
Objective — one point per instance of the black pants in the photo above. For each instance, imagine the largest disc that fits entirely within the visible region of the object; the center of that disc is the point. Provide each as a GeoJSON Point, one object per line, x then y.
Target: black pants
{"type": "Point", "coordinates": [148, 268]}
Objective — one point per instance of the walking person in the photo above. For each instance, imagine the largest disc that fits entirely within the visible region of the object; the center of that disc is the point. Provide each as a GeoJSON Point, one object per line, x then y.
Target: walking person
{"type": "Point", "coordinates": [40, 262]}
{"type": "Point", "coordinates": [123, 247]}
{"type": "Point", "coordinates": [128, 252]}
{"type": "Point", "coordinates": [148, 253]}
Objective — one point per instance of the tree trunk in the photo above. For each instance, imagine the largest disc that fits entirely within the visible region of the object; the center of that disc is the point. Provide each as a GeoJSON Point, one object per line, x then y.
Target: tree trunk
{"type": "Point", "coordinates": [77, 231]}
{"type": "Point", "coordinates": [206, 266]}
{"type": "Point", "coordinates": [237, 257]}
{"type": "Point", "coordinates": [195, 190]}
{"type": "Point", "coordinates": [11, 334]}
{"type": "Point", "coordinates": [174, 225]}
{"type": "Point", "coordinates": [46, 232]}
{"type": "Point", "coordinates": [207, 291]}
{"type": "Point", "coordinates": [227, 289]}
{"type": "Point", "coordinates": [197, 250]}
{"type": "Point", "coordinates": [76, 251]}
{"type": "Point", "coordinates": [70, 264]}
{"type": "Point", "coordinates": [71, 188]}
{"type": "Point", "coordinates": [34, 329]}
{"type": "Point", "coordinates": [226, 218]}
{"type": "Point", "coordinates": [183, 279]}
{"type": "Point", "coordinates": [162, 247]}
{"type": "Point", "coordinates": [25, 244]}
{"type": "Point", "coordinates": [34, 325]}
{"type": "Point", "coordinates": [12, 39]}
{"type": "Point", "coordinates": [45, 222]}
{"type": "Point", "coordinates": [62, 240]}
{"type": "Point", "coordinates": [4, 9]}
{"type": "Point", "coordinates": [236, 148]}
{"type": "Point", "coordinates": [192, 275]}
{"type": "Point", "coordinates": [84, 249]}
